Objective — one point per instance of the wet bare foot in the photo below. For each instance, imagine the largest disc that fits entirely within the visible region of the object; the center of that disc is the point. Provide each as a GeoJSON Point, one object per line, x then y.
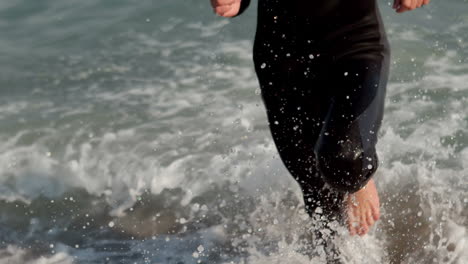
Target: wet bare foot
{"type": "Point", "coordinates": [363, 209]}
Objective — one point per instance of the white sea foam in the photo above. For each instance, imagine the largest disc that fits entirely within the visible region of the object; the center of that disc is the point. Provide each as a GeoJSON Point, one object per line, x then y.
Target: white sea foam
{"type": "Point", "coordinates": [14, 255]}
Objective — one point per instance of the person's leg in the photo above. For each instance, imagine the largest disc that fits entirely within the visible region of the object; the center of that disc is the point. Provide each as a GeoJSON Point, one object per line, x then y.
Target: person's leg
{"type": "Point", "coordinates": [295, 138]}
{"type": "Point", "coordinates": [345, 150]}
{"type": "Point", "coordinates": [296, 109]}
{"type": "Point", "coordinates": [296, 106]}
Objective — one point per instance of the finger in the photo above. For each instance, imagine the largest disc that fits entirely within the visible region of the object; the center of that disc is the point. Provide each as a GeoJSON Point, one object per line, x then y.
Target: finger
{"type": "Point", "coordinates": [222, 2]}
{"type": "Point", "coordinates": [419, 3]}
{"type": "Point", "coordinates": [402, 9]}
{"type": "Point", "coordinates": [221, 10]}
{"type": "Point", "coordinates": [403, 6]}
{"type": "Point", "coordinates": [425, 2]}
{"type": "Point", "coordinates": [233, 11]}
{"type": "Point", "coordinates": [408, 4]}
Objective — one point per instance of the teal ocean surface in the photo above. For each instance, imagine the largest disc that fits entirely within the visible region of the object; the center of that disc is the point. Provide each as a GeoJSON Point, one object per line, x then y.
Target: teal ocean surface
{"type": "Point", "coordinates": [134, 132]}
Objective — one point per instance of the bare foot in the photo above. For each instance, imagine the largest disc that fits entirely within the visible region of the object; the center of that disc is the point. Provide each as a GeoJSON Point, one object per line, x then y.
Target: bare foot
{"type": "Point", "coordinates": [363, 209]}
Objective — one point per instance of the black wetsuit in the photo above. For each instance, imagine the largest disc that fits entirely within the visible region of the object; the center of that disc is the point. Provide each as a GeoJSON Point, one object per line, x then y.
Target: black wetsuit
{"type": "Point", "coordinates": [322, 67]}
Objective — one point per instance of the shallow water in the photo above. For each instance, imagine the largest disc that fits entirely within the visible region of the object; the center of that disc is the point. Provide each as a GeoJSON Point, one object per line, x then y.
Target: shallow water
{"type": "Point", "coordinates": [133, 132]}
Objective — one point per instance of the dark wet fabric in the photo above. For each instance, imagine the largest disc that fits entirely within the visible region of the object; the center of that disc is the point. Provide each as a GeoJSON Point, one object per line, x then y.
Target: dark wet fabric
{"type": "Point", "coordinates": [323, 67]}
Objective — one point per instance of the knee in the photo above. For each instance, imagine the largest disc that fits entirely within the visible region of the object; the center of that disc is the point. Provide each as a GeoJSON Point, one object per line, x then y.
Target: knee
{"type": "Point", "coordinates": [346, 169]}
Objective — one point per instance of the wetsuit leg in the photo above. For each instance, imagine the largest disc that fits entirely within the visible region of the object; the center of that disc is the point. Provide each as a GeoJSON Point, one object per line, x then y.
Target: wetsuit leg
{"type": "Point", "coordinates": [297, 105]}
{"type": "Point", "coordinates": [345, 149]}
{"type": "Point", "coordinates": [324, 111]}
{"type": "Point", "coordinates": [325, 126]}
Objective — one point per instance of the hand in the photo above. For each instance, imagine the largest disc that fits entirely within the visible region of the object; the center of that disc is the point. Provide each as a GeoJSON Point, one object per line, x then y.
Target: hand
{"type": "Point", "coordinates": [226, 8]}
{"type": "Point", "coordinates": [405, 5]}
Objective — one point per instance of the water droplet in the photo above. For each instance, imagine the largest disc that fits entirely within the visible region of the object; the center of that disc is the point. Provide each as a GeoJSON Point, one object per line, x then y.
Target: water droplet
{"type": "Point", "coordinates": [200, 248]}
{"type": "Point", "coordinates": [318, 210]}
{"type": "Point", "coordinates": [263, 66]}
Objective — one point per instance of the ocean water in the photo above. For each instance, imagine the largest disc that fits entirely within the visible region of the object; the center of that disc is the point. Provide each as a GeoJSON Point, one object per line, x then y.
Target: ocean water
{"type": "Point", "coordinates": [133, 132]}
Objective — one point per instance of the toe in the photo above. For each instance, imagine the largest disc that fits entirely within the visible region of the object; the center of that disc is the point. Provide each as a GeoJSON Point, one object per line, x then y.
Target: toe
{"type": "Point", "coordinates": [370, 218]}
{"type": "Point", "coordinates": [363, 229]}
{"type": "Point", "coordinates": [352, 230]}
{"type": "Point", "coordinates": [352, 224]}
{"type": "Point", "coordinates": [375, 213]}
